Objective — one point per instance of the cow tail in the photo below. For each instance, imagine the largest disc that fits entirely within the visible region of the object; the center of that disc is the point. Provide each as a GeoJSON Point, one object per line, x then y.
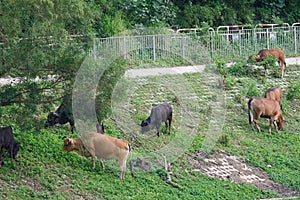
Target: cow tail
{"type": "Point", "coordinates": [249, 111]}
{"type": "Point", "coordinates": [130, 161]}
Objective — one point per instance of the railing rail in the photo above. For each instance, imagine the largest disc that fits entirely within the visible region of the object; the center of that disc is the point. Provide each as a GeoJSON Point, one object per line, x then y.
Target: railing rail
{"type": "Point", "coordinates": [202, 48]}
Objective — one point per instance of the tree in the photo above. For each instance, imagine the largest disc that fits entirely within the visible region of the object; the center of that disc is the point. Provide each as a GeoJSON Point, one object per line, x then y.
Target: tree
{"type": "Point", "coordinates": [40, 39]}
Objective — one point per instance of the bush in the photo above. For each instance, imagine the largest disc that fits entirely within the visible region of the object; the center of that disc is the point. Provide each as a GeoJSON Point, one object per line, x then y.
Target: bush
{"type": "Point", "coordinates": [249, 88]}
{"type": "Point", "coordinates": [294, 90]}
{"type": "Point", "coordinates": [238, 69]}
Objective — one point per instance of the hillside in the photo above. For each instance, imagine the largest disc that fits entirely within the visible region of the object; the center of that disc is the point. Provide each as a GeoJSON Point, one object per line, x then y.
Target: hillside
{"type": "Point", "coordinates": [201, 109]}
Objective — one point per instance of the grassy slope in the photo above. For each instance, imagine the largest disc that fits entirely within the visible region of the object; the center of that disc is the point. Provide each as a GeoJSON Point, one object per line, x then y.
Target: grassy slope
{"type": "Point", "coordinates": [44, 171]}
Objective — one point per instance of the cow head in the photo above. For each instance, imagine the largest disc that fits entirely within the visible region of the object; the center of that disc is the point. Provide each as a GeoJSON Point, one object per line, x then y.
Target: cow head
{"type": "Point", "coordinates": [146, 125]}
{"type": "Point", "coordinates": [68, 145]}
{"type": "Point", "coordinates": [53, 118]}
{"type": "Point", "coordinates": [280, 122]}
{"type": "Point", "coordinates": [257, 58]}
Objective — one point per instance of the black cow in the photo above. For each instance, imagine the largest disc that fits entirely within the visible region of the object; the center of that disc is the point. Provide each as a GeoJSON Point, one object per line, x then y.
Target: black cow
{"type": "Point", "coordinates": [7, 141]}
{"type": "Point", "coordinates": [159, 113]}
{"type": "Point", "coordinates": [62, 115]}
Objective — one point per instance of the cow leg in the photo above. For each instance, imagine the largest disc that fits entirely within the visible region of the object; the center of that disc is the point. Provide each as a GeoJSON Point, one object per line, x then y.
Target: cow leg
{"type": "Point", "coordinates": [93, 159]}
{"type": "Point", "coordinates": [271, 123]}
{"type": "Point", "coordinates": [282, 69]}
{"type": "Point", "coordinates": [265, 66]}
{"type": "Point", "coordinates": [72, 127]}
{"type": "Point", "coordinates": [166, 122]}
{"type": "Point", "coordinates": [252, 126]}
{"type": "Point", "coordinates": [123, 169]}
{"type": "Point", "coordinates": [170, 121]}
{"type": "Point", "coordinates": [101, 163]}
{"type": "Point", "coordinates": [255, 120]}
{"type": "Point", "coordinates": [158, 130]}
{"type": "Point", "coordinates": [276, 126]}
{"type": "Point", "coordinates": [1, 162]}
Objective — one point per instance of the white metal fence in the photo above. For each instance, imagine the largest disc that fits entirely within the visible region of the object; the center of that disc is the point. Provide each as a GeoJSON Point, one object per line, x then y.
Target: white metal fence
{"type": "Point", "coordinates": [200, 47]}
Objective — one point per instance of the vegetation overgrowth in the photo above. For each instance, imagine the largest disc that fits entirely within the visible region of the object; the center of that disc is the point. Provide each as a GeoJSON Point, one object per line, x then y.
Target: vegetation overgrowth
{"type": "Point", "coordinates": [43, 171]}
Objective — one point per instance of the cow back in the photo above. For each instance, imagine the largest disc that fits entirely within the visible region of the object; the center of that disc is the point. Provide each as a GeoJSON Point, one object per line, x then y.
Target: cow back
{"type": "Point", "coordinates": [267, 107]}
{"type": "Point", "coordinates": [160, 113]}
{"type": "Point", "coordinates": [274, 93]}
{"type": "Point", "coordinates": [6, 135]}
{"type": "Point", "coordinates": [105, 146]}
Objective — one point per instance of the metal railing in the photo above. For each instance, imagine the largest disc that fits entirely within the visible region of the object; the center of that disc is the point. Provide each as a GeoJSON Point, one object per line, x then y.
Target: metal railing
{"type": "Point", "coordinates": [201, 48]}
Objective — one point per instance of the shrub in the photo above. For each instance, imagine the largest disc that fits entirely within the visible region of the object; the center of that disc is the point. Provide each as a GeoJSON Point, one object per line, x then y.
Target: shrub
{"type": "Point", "coordinates": [238, 69]}
{"type": "Point", "coordinates": [294, 90]}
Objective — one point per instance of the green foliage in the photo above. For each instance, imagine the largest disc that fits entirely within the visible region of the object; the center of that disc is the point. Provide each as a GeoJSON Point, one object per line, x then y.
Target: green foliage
{"type": "Point", "coordinates": [44, 171]}
{"type": "Point", "coordinates": [249, 88]}
{"type": "Point", "coordinates": [238, 69]}
{"type": "Point", "coordinates": [294, 90]}
{"type": "Point", "coordinates": [106, 87]}
{"type": "Point", "coordinates": [42, 162]}
{"type": "Point", "coordinates": [147, 13]}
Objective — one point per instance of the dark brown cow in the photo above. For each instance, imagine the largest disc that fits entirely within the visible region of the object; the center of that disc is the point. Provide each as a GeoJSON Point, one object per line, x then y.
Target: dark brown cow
{"type": "Point", "coordinates": [274, 93]}
{"type": "Point", "coordinates": [159, 113]}
{"type": "Point", "coordinates": [102, 147]}
{"type": "Point", "coordinates": [7, 141]}
{"type": "Point", "coordinates": [266, 108]}
{"type": "Point", "coordinates": [277, 53]}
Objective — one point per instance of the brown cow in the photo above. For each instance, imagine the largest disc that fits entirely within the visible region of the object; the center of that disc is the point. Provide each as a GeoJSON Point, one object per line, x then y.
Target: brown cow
{"type": "Point", "coordinates": [274, 93]}
{"type": "Point", "coordinates": [267, 108]}
{"type": "Point", "coordinates": [102, 147]}
{"type": "Point", "coordinates": [277, 53]}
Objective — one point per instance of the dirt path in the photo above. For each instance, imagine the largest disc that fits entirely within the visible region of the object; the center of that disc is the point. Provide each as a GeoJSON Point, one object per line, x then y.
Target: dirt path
{"type": "Point", "coordinates": [228, 167]}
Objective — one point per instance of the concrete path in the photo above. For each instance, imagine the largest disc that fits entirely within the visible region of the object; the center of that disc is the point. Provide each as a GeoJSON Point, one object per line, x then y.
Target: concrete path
{"type": "Point", "coordinates": [184, 69]}
{"type": "Point", "coordinates": [143, 72]}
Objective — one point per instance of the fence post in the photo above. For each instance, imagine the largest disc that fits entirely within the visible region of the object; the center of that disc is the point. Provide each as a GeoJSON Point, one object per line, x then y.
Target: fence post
{"type": "Point", "coordinates": [154, 52]}
{"type": "Point", "coordinates": [94, 49]}
{"type": "Point", "coordinates": [295, 40]}
{"type": "Point", "coordinates": [124, 48]}
{"type": "Point", "coordinates": [182, 46]}
{"type": "Point", "coordinates": [240, 42]}
{"type": "Point", "coordinates": [268, 41]}
{"type": "Point", "coordinates": [211, 45]}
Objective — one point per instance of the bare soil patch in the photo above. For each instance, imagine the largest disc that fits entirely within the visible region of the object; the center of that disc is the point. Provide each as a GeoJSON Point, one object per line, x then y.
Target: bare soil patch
{"type": "Point", "coordinates": [225, 166]}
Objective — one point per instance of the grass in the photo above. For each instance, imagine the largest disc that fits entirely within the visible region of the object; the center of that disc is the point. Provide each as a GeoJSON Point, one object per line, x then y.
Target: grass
{"type": "Point", "coordinates": [43, 171]}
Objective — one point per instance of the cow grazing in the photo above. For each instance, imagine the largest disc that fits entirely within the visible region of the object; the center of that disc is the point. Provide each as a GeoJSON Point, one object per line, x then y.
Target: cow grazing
{"type": "Point", "coordinates": [102, 147]}
{"type": "Point", "coordinates": [266, 108]}
{"type": "Point", "coordinates": [159, 113]}
{"type": "Point", "coordinates": [277, 53]}
{"type": "Point", "coordinates": [7, 141]}
{"type": "Point", "coordinates": [274, 93]}
{"type": "Point", "coordinates": [62, 115]}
